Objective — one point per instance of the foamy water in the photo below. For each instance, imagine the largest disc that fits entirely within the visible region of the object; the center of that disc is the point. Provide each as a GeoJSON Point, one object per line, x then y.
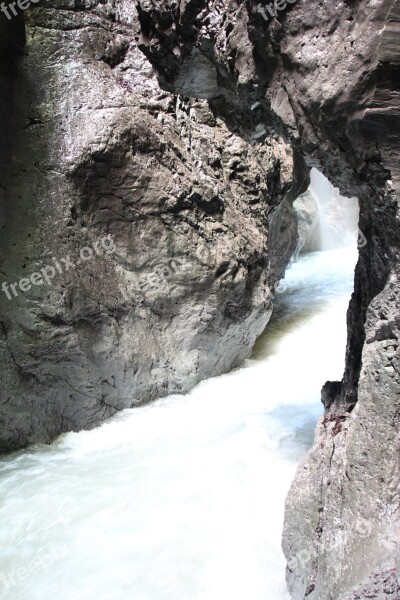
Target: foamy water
{"type": "Point", "coordinates": [182, 499]}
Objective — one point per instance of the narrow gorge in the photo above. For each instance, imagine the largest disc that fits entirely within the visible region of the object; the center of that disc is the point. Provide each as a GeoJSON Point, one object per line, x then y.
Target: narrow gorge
{"type": "Point", "coordinates": [182, 186]}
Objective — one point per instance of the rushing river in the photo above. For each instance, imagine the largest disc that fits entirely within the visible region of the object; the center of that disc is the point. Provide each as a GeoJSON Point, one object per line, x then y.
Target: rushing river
{"type": "Point", "coordinates": [182, 499]}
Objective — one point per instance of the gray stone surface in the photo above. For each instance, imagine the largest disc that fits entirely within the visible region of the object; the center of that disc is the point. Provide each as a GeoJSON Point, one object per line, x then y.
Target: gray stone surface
{"type": "Point", "coordinates": [91, 147]}
{"type": "Point", "coordinates": [381, 585]}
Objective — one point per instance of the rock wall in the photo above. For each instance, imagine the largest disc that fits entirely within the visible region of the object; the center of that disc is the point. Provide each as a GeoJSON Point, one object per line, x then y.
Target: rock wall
{"type": "Point", "coordinates": [195, 199]}
{"type": "Point", "coordinates": [171, 216]}
{"type": "Point", "coordinates": [326, 77]}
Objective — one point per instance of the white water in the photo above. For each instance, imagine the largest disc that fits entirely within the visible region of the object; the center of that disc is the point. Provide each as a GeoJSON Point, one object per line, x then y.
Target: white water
{"type": "Point", "coordinates": [338, 215]}
{"type": "Point", "coordinates": [182, 499]}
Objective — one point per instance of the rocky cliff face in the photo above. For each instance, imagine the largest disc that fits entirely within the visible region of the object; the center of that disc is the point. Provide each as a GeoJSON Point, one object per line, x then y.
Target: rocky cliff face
{"type": "Point", "coordinates": [141, 234]}
{"type": "Point", "coordinates": [326, 77]}
{"type": "Point", "coordinates": [178, 206]}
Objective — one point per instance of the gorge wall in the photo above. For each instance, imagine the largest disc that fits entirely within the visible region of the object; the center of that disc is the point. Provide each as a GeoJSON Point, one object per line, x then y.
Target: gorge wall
{"type": "Point", "coordinates": [203, 172]}
{"type": "Point", "coordinates": [325, 76]}
{"type": "Point", "coordinates": [191, 222]}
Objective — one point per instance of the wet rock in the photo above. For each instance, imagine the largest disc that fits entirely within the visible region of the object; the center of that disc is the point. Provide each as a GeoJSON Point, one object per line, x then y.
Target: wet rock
{"type": "Point", "coordinates": [94, 151]}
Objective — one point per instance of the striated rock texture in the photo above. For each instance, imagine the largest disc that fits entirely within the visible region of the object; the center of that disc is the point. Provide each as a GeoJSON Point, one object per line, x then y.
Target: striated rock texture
{"type": "Point", "coordinates": [180, 226]}
{"type": "Point", "coordinates": [326, 76]}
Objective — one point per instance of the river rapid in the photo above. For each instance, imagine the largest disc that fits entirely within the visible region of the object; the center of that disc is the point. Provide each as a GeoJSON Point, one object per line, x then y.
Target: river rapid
{"type": "Point", "coordinates": [183, 499]}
